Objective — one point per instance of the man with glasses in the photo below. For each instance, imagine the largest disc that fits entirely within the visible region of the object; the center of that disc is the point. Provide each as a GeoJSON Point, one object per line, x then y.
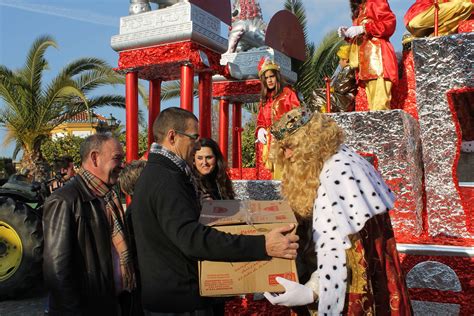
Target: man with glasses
{"type": "Point", "coordinates": [169, 238]}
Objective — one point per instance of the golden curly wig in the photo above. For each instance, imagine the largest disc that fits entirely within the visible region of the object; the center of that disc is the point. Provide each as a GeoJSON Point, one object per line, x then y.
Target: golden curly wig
{"type": "Point", "coordinates": [312, 145]}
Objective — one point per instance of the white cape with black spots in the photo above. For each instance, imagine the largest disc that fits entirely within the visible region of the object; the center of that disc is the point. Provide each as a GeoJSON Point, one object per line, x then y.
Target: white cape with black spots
{"type": "Point", "coordinates": [351, 192]}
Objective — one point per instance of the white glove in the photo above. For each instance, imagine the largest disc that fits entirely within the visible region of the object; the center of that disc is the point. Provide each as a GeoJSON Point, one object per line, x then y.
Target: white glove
{"type": "Point", "coordinates": [313, 282]}
{"type": "Point", "coordinates": [295, 294]}
{"type": "Point", "coordinates": [262, 135]}
{"type": "Point", "coordinates": [341, 31]}
{"type": "Point", "coordinates": [353, 31]}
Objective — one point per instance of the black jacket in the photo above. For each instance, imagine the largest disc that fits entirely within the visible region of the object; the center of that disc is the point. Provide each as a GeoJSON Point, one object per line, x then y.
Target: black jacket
{"type": "Point", "coordinates": [170, 239]}
{"type": "Point", "coordinates": [77, 256]}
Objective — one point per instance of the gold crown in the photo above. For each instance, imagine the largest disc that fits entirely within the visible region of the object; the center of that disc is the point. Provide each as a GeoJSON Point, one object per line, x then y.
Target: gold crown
{"type": "Point", "coordinates": [290, 122]}
{"type": "Point", "coordinates": [266, 64]}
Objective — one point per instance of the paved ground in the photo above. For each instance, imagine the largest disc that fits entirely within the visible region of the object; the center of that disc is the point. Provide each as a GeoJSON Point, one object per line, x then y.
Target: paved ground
{"type": "Point", "coordinates": [30, 306]}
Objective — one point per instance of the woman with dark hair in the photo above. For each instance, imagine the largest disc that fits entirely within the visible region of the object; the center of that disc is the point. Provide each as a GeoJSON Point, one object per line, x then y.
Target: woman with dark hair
{"type": "Point", "coordinates": [210, 170]}
{"type": "Point", "coordinates": [213, 183]}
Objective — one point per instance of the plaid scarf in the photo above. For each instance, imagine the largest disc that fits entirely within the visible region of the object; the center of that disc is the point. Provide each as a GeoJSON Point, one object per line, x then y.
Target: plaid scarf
{"type": "Point", "coordinates": [117, 225]}
{"type": "Point", "coordinates": [178, 161]}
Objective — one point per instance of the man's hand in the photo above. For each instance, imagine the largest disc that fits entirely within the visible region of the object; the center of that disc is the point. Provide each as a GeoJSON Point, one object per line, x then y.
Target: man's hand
{"type": "Point", "coordinates": [262, 135]}
{"type": "Point", "coordinates": [295, 294]}
{"type": "Point", "coordinates": [354, 31]}
{"type": "Point", "coordinates": [279, 244]}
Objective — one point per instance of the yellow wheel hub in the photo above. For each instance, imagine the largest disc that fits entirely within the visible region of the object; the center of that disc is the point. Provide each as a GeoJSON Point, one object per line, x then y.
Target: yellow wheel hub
{"type": "Point", "coordinates": [11, 251]}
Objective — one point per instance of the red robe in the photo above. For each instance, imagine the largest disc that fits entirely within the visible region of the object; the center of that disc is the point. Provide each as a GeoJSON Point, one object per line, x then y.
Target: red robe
{"type": "Point", "coordinates": [380, 23]}
{"type": "Point", "coordinates": [269, 113]}
{"type": "Point", "coordinates": [273, 109]}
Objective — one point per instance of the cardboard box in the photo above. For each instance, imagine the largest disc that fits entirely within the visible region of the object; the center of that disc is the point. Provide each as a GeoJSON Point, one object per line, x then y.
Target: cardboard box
{"type": "Point", "coordinates": [247, 218]}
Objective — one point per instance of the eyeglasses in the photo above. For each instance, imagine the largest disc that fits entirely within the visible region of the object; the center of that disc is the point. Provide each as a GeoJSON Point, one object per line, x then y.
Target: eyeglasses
{"type": "Point", "coordinates": [194, 137]}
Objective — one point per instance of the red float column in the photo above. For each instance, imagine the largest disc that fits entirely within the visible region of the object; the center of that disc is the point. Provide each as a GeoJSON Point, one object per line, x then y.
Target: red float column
{"type": "Point", "coordinates": [236, 130]}
{"type": "Point", "coordinates": [328, 94]}
{"type": "Point", "coordinates": [224, 127]}
{"type": "Point", "coordinates": [131, 115]}
{"type": "Point", "coordinates": [205, 99]}
{"type": "Point", "coordinates": [154, 105]}
{"type": "Point", "coordinates": [187, 87]}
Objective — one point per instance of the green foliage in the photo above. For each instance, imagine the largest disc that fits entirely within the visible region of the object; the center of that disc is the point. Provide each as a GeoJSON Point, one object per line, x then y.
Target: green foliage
{"type": "Point", "coordinates": [172, 89]}
{"type": "Point", "coordinates": [62, 146]}
{"type": "Point", "coordinates": [142, 142]}
{"type": "Point", "coordinates": [251, 107]}
{"type": "Point", "coordinates": [69, 146]}
{"type": "Point", "coordinates": [248, 144]}
{"type": "Point", "coordinates": [321, 60]}
{"type": "Point", "coordinates": [32, 108]}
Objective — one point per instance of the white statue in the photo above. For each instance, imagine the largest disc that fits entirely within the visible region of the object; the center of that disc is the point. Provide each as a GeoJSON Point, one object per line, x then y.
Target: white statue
{"type": "Point", "coordinates": [140, 6]}
{"type": "Point", "coordinates": [248, 28]}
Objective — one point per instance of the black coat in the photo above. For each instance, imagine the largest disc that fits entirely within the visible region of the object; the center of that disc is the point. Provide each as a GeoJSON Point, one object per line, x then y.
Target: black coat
{"type": "Point", "coordinates": [170, 239]}
{"type": "Point", "coordinates": [77, 260]}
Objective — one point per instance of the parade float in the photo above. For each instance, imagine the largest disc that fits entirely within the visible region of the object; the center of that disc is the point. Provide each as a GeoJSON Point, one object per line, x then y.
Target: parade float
{"type": "Point", "coordinates": [416, 146]}
{"type": "Point", "coordinates": [423, 147]}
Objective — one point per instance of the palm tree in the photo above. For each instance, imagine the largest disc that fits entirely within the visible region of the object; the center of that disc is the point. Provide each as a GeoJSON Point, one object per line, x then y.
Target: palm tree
{"type": "Point", "coordinates": [321, 61]}
{"type": "Point", "coordinates": [31, 108]}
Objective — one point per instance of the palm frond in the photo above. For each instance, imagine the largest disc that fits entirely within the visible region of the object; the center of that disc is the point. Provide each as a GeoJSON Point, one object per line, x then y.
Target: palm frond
{"type": "Point", "coordinates": [16, 151]}
{"type": "Point", "coordinates": [142, 121]}
{"type": "Point", "coordinates": [80, 65]}
{"type": "Point", "coordinates": [9, 85]}
{"type": "Point", "coordinates": [36, 63]}
{"type": "Point", "coordinates": [54, 106]}
{"type": "Point", "coordinates": [296, 7]}
{"type": "Point", "coordinates": [107, 100]}
{"type": "Point", "coordinates": [325, 58]}
{"type": "Point", "coordinates": [94, 78]}
{"type": "Point", "coordinates": [322, 63]}
{"type": "Point", "coordinates": [171, 90]}
{"type": "Point", "coordinates": [9, 137]}
{"type": "Point", "coordinates": [105, 76]}
{"type": "Point", "coordinates": [143, 93]}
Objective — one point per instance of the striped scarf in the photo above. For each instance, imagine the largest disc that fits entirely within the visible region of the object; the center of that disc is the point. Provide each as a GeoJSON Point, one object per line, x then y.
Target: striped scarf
{"type": "Point", "coordinates": [178, 161]}
{"type": "Point", "coordinates": [117, 225]}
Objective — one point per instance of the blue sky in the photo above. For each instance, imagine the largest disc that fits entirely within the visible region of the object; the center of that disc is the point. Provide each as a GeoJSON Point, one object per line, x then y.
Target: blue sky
{"type": "Point", "coordinates": [83, 28]}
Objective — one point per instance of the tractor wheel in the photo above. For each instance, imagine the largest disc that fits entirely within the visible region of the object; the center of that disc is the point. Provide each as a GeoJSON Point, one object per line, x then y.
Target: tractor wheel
{"type": "Point", "coordinates": [21, 248]}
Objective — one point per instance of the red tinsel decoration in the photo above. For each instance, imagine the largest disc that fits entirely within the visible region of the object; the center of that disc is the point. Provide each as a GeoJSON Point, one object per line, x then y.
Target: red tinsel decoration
{"type": "Point", "coordinates": [248, 307]}
{"type": "Point", "coordinates": [467, 198]}
{"type": "Point", "coordinates": [361, 103]}
{"type": "Point", "coordinates": [236, 90]}
{"type": "Point", "coordinates": [466, 26]}
{"type": "Point", "coordinates": [164, 61]}
{"type": "Point", "coordinates": [405, 92]}
{"type": "Point", "coordinates": [247, 173]}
